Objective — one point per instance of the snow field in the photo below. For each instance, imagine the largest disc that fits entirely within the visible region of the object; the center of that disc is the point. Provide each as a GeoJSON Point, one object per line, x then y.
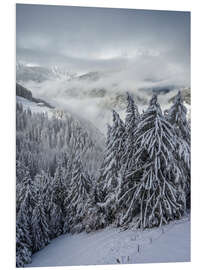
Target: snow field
{"type": "Point", "coordinates": [170, 243]}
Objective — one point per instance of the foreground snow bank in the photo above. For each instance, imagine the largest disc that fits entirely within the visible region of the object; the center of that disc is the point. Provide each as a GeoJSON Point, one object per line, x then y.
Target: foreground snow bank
{"type": "Point", "coordinates": [170, 243]}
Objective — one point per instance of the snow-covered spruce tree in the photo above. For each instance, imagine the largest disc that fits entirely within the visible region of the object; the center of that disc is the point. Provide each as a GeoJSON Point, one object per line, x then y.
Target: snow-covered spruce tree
{"type": "Point", "coordinates": [20, 171]}
{"type": "Point", "coordinates": [26, 201]}
{"type": "Point", "coordinates": [114, 152]}
{"type": "Point", "coordinates": [44, 187]}
{"type": "Point", "coordinates": [24, 239]}
{"type": "Point", "coordinates": [26, 197]}
{"type": "Point", "coordinates": [100, 192]}
{"type": "Point", "coordinates": [59, 193]}
{"type": "Point", "coordinates": [112, 162]}
{"type": "Point", "coordinates": [77, 197]}
{"type": "Point", "coordinates": [131, 123]}
{"type": "Point", "coordinates": [40, 230]}
{"type": "Point", "coordinates": [95, 215]}
{"type": "Point", "coordinates": [23, 249]}
{"type": "Point", "coordinates": [55, 222]}
{"type": "Point", "coordinates": [21, 174]}
{"type": "Point", "coordinates": [157, 189]}
{"type": "Point", "coordinates": [177, 116]}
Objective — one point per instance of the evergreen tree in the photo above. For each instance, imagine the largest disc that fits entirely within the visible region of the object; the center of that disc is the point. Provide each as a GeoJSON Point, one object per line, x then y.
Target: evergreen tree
{"type": "Point", "coordinates": [24, 240]}
{"type": "Point", "coordinates": [77, 197]}
{"type": "Point", "coordinates": [95, 217]}
{"type": "Point", "coordinates": [27, 197]}
{"type": "Point", "coordinates": [177, 116]}
{"type": "Point", "coordinates": [40, 230]}
{"type": "Point", "coordinates": [114, 152]}
{"type": "Point", "coordinates": [44, 187]}
{"type": "Point", "coordinates": [23, 249]}
{"type": "Point", "coordinates": [100, 191]}
{"type": "Point", "coordinates": [131, 123]}
{"type": "Point", "coordinates": [58, 196]}
{"type": "Point", "coordinates": [55, 222]}
{"type": "Point", "coordinates": [21, 174]}
{"type": "Point", "coordinates": [158, 180]}
{"type": "Point", "coordinates": [20, 171]}
{"type": "Point", "coordinates": [26, 201]}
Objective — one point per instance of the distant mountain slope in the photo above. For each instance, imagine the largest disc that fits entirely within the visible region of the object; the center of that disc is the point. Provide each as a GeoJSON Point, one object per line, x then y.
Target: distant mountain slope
{"type": "Point", "coordinates": [27, 94]}
{"type": "Point", "coordinates": [23, 92]}
{"type": "Point", "coordinates": [38, 74]}
{"type": "Point", "coordinates": [76, 133]}
{"type": "Point", "coordinates": [90, 76]}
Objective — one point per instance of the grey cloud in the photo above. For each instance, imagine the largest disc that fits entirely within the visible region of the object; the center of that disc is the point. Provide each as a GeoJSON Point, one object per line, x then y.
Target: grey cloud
{"type": "Point", "coordinates": [140, 48]}
{"type": "Point", "coordinates": [92, 32]}
{"type": "Point", "coordinates": [132, 49]}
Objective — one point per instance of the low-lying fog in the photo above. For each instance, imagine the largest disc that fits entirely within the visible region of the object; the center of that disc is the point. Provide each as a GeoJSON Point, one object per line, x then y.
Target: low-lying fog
{"type": "Point", "coordinates": [119, 50]}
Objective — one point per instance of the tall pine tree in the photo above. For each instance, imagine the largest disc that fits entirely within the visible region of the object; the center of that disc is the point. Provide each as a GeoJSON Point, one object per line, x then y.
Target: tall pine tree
{"type": "Point", "coordinates": [112, 162]}
{"type": "Point", "coordinates": [158, 179]}
{"type": "Point", "coordinates": [59, 194]}
{"type": "Point", "coordinates": [131, 123]}
{"type": "Point", "coordinates": [177, 116]}
{"type": "Point", "coordinates": [23, 245]}
{"type": "Point", "coordinates": [77, 197]}
{"type": "Point", "coordinates": [40, 230]}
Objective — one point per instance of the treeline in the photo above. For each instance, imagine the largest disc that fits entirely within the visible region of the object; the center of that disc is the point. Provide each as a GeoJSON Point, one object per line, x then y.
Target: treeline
{"type": "Point", "coordinates": [143, 178]}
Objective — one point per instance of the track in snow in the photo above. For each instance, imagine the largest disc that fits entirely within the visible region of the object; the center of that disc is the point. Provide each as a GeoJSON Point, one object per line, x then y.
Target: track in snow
{"type": "Point", "coordinates": [170, 243]}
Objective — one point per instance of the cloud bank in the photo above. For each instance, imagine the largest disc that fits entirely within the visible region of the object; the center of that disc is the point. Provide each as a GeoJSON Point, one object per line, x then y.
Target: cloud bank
{"type": "Point", "coordinates": [97, 38]}
{"type": "Point", "coordinates": [132, 49]}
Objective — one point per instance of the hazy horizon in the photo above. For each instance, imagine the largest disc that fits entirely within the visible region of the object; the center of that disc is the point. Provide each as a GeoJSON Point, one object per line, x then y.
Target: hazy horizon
{"type": "Point", "coordinates": [88, 39]}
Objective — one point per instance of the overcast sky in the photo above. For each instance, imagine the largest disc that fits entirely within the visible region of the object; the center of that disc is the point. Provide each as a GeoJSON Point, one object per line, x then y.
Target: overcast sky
{"type": "Point", "coordinates": [100, 39]}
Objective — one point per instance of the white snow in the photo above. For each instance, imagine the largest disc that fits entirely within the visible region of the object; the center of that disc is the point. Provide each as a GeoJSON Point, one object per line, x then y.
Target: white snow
{"type": "Point", "coordinates": [170, 243]}
{"type": "Point", "coordinates": [34, 107]}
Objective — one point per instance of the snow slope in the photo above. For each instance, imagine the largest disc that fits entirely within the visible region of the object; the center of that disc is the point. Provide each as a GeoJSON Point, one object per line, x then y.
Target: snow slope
{"type": "Point", "coordinates": [34, 107]}
{"type": "Point", "coordinates": [170, 243]}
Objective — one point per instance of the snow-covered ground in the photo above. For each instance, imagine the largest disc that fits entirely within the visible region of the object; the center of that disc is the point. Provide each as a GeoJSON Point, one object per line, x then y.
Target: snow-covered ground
{"type": "Point", "coordinates": [170, 243]}
{"type": "Point", "coordinates": [34, 107]}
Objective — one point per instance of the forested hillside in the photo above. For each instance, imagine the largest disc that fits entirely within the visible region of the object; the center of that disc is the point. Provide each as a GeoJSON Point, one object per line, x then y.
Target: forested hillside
{"type": "Point", "coordinates": [65, 183]}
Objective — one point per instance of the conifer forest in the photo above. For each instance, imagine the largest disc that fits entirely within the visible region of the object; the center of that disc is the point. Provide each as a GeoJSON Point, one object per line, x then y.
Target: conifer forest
{"type": "Point", "coordinates": [68, 183]}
